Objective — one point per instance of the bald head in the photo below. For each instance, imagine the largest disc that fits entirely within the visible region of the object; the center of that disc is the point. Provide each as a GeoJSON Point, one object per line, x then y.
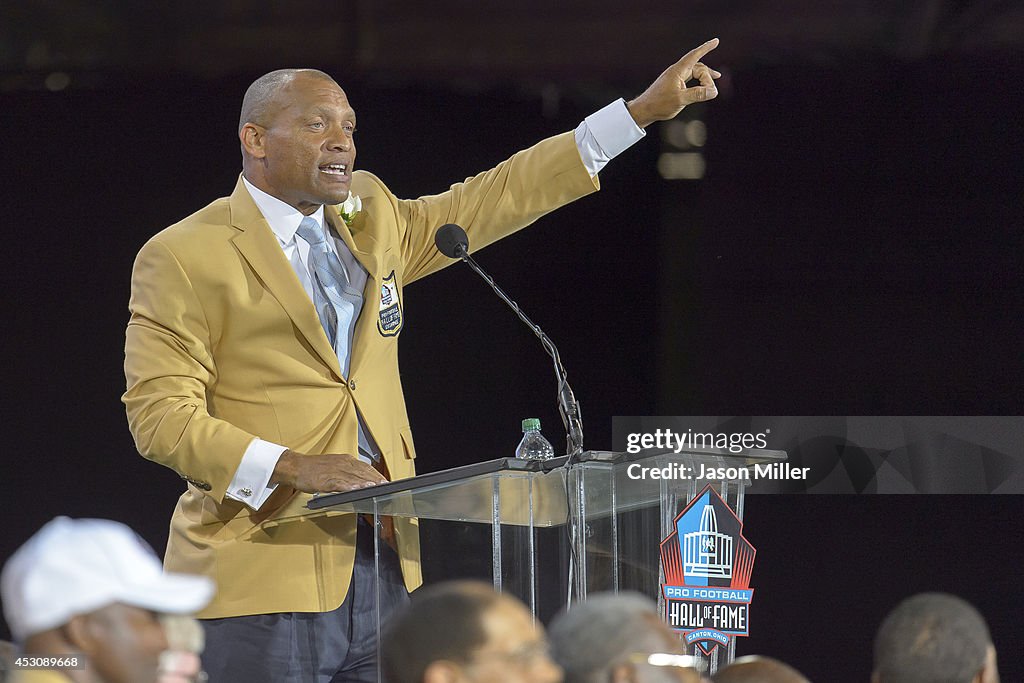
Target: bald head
{"type": "Point", "coordinates": [464, 630]}
{"type": "Point", "coordinates": [596, 638]}
{"type": "Point", "coordinates": [260, 98]}
{"type": "Point", "coordinates": [933, 636]}
{"type": "Point", "coordinates": [414, 640]}
{"type": "Point", "coordinates": [759, 670]}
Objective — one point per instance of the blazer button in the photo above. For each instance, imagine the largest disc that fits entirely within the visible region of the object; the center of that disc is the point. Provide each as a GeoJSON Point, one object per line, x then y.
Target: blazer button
{"type": "Point", "coordinates": [352, 384]}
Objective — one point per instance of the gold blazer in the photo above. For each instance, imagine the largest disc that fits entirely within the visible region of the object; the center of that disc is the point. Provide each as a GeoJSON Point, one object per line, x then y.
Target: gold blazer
{"type": "Point", "coordinates": [224, 345]}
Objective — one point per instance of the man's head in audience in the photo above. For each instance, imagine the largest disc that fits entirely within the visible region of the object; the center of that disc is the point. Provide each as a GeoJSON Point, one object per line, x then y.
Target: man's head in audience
{"type": "Point", "coordinates": [92, 587]}
{"type": "Point", "coordinates": [618, 638]}
{"type": "Point", "coordinates": [934, 637]}
{"type": "Point", "coordinates": [464, 631]}
{"type": "Point", "coordinates": [759, 670]}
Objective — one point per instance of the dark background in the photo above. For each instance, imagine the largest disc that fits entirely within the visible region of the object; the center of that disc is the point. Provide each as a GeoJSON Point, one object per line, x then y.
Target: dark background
{"type": "Point", "coordinates": [853, 249]}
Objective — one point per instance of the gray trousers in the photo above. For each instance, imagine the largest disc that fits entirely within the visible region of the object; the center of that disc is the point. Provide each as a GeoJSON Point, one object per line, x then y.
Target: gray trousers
{"type": "Point", "coordinates": [310, 647]}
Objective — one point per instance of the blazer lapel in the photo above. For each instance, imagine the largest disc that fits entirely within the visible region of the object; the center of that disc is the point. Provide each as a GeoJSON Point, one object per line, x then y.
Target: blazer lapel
{"type": "Point", "coordinates": [260, 248]}
{"type": "Point", "coordinates": [364, 247]}
{"type": "Point", "coordinates": [358, 239]}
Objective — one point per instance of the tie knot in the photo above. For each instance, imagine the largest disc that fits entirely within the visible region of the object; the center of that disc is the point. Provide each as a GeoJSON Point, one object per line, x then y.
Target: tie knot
{"type": "Point", "coordinates": [310, 231]}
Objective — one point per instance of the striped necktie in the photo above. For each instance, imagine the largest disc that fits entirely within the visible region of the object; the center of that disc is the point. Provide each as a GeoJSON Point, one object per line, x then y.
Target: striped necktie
{"type": "Point", "coordinates": [336, 303]}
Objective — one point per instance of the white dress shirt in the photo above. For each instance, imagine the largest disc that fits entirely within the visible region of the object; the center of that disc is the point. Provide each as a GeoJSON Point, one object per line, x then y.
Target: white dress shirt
{"type": "Point", "coordinates": [600, 137]}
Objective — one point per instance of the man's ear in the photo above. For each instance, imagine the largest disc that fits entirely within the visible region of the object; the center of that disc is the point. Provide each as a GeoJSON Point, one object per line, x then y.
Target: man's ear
{"type": "Point", "coordinates": [442, 671]}
{"type": "Point", "coordinates": [80, 633]}
{"type": "Point", "coordinates": [253, 139]}
{"type": "Point", "coordinates": [990, 672]}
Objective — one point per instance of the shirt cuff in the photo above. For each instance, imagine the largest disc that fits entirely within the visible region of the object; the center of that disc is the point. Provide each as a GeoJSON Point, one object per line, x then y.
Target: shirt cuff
{"type": "Point", "coordinates": [605, 134]}
{"type": "Point", "coordinates": [251, 484]}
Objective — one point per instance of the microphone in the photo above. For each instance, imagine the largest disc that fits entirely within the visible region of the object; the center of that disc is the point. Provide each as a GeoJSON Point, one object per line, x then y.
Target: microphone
{"type": "Point", "coordinates": [452, 241]}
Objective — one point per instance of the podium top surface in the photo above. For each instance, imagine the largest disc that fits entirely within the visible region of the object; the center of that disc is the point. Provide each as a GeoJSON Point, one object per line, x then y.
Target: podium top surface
{"type": "Point", "coordinates": [517, 491]}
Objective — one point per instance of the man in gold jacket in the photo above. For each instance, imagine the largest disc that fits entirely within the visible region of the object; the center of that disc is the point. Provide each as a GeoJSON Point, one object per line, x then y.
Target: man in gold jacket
{"type": "Point", "coordinates": [233, 383]}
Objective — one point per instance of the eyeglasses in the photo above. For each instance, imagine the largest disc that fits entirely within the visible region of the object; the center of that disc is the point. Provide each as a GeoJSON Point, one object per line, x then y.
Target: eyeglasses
{"type": "Point", "coordinates": [666, 659]}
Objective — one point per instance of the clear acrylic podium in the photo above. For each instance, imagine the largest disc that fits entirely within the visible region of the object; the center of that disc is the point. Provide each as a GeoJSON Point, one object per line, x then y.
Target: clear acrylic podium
{"type": "Point", "coordinates": [548, 533]}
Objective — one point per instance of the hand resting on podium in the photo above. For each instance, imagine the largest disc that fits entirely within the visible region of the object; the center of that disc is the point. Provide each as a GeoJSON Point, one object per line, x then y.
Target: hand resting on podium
{"type": "Point", "coordinates": [326, 473]}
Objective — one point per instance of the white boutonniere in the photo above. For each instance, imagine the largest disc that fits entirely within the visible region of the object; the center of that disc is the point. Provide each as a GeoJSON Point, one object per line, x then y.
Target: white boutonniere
{"type": "Point", "coordinates": [350, 207]}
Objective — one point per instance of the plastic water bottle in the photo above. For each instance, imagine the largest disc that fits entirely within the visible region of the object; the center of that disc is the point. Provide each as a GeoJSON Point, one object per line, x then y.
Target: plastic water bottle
{"type": "Point", "coordinates": [534, 446]}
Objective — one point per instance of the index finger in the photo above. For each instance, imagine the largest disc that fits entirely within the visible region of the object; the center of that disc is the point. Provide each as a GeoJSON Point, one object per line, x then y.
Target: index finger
{"type": "Point", "coordinates": [694, 55]}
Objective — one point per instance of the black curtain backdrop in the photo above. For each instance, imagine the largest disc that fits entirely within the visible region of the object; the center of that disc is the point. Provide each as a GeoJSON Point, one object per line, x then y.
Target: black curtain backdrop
{"type": "Point", "coordinates": [854, 249]}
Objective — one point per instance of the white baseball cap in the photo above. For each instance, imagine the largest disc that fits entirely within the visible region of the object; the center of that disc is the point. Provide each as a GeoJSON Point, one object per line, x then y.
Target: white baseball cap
{"type": "Point", "coordinates": [76, 566]}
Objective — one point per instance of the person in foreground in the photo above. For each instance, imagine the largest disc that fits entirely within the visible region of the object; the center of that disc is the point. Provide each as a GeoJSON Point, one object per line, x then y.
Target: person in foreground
{"type": "Point", "coordinates": [618, 638]}
{"type": "Point", "coordinates": [261, 360]}
{"type": "Point", "coordinates": [90, 588]}
{"type": "Point", "coordinates": [465, 631]}
{"type": "Point", "coordinates": [934, 638]}
{"type": "Point", "coordinates": [757, 669]}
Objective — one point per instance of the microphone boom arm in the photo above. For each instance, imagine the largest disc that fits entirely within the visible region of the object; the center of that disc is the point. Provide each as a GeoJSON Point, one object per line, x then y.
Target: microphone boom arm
{"type": "Point", "coordinates": [568, 406]}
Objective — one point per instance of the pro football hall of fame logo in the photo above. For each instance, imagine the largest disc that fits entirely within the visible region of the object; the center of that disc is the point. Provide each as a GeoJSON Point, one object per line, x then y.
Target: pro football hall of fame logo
{"type": "Point", "coordinates": [707, 564]}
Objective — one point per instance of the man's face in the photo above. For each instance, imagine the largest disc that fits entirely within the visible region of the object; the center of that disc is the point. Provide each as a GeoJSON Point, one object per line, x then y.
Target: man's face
{"type": "Point", "coordinates": [515, 651]}
{"type": "Point", "coordinates": [127, 642]}
{"type": "Point", "coordinates": [307, 149]}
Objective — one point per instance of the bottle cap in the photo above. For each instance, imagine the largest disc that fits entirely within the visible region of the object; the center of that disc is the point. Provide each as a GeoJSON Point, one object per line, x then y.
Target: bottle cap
{"type": "Point", "coordinates": [531, 423]}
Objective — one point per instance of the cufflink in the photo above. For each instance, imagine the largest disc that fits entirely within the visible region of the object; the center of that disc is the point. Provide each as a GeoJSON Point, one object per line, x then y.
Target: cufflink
{"type": "Point", "coordinates": [246, 492]}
